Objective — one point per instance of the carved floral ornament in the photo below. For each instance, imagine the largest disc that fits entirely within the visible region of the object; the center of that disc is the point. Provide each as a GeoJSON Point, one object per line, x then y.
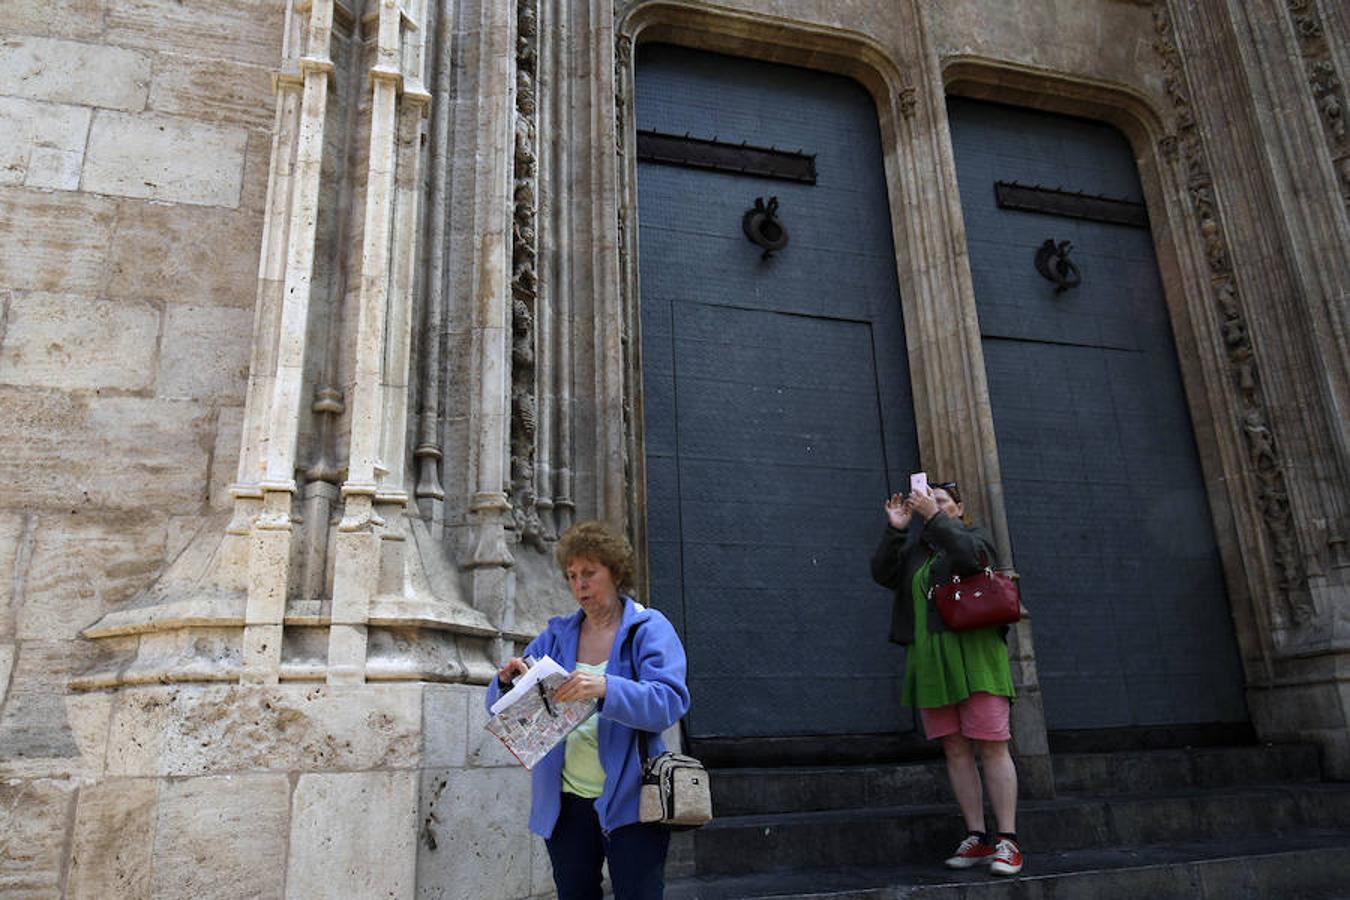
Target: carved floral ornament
{"type": "Point", "coordinates": [1185, 145]}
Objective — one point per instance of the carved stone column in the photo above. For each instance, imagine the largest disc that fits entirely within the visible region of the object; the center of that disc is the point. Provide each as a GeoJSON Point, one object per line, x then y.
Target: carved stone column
{"type": "Point", "coordinates": [286, 591]}
{"type": "Point", "coordinates": [1250, 143]}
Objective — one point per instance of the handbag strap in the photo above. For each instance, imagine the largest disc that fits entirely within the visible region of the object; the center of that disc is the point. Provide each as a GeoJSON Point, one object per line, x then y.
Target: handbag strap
{"type": "Point", "coordinates": [628, 644]}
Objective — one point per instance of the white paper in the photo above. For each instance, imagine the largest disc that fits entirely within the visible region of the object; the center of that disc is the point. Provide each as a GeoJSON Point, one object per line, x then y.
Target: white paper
{"type": "Point", "coordinates": [525, 683]}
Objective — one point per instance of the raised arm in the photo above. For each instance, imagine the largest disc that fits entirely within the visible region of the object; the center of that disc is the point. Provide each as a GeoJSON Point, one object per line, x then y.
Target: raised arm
{"type": "Point", "coordinates": [969, 549]}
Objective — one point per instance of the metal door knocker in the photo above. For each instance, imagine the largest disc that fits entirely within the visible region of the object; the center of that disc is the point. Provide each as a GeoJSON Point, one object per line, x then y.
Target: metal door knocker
{"type": "Point", "coordinates": [760, 224]}
{"type": "Point", "coordinates": [1053, 262]}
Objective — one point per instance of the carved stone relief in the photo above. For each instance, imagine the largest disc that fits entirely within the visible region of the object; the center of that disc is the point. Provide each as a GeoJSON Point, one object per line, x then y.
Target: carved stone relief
{"type": "Point", "coordinates": [524, 279]}
{"type": "Point", "coordinates": [1186, 146]}
{"type": "Point", "coordinates": [1327, 90]}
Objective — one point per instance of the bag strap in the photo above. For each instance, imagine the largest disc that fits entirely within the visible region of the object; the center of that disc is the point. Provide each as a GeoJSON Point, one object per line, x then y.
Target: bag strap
{"type": "Point", "coordinates": [628, 643]}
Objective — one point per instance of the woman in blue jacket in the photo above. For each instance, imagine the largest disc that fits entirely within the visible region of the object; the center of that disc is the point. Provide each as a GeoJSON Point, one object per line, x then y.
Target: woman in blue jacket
{"type": "Point", "coordinates": [585, 792]}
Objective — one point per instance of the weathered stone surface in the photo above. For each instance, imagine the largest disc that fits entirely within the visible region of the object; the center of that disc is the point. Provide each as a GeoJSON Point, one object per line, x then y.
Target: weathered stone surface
{"type": "Point", "coordinates": [242, 30]}
{"type": "Point", "coordinates": [193, 255]}
{"type": "Point", "coordinates": [461, 846]}
{"type": "Point", "coordinates": [225, 455]}
{"type": "Point", "coordinates": [42, 144]}
{"type": "Point", "coordinates": [57, 340]}
{"type": "Point", "coordinates": [209, 730]}
{"type": "Point", "coordinates": [81, 567]}
{"type": "Point", "coordinates": [541, 870]}
{"type": "Point", "coordinates": [44, 729]}
{"type": "Point", "coordinates": [113, 840]}
{"type": "Point", "coordinates": [70, 72]}
{"type": "Point", "coordinates": [45, 735]}
{"type": "Point", "coordinates": [213, 90]}
{"type": "Point", "coordinates": [223, 836]}
{"type": "Point", "coordinates": [17, 531]}
{"type": "Point", "coordinates": [67, 451]}
{"type": "Point", "coordinates": [34, 816]}
{"type": "Point", "coordinates": [6, 667]}
{"type": "Point", "coordinates": [74, 19]}
{"type": "Point", "coordinates": [257, 164]}
{"type": "Point", "coordinates": [205, 353]}
{"type": "Point", "coordinates": [354, 836]}
{"type": "Point", "coordinates": [54, 242]}
{"type": "Point", "coordinates": [445, 722]}
{"type": "Point", "coordinates": [162, 158]}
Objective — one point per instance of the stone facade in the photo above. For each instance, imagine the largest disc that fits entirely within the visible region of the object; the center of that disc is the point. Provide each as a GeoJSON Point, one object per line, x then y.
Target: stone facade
{"type": "Point", "coordinates": [318, 323]}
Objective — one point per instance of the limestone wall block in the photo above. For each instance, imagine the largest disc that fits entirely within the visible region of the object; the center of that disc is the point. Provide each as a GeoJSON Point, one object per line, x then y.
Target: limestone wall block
{"type": "Point", "coordinates": [75, 343]}
{"type": "Point", "coordinates": [354, 836]}
{"type": "Point", "coordinates": [222, 837]}
{"type": "Point", "coordinates": [76, 452]}
{"type": "Point", "coordinates": [42, 144]}
{"type": "Point", "coordinates": [242, 30]}
{"type": "Point", "coordinates": [48, 666]}
{"type": "Point", "coordinates": [1108, 40]}
{"type": "Point", "coordinates": [54, 242]}
{"type": "Point", "coordinates": [16, 540]}
{"type": "Point", "coordinates": [179, 532]}
{"type": "Point", "coordinates": [163, 158]}
{"type": "Point", "coordinates": [34, 816]}
{"type": "Point", "coordinates": [113, 840]}
{"type": "Point", "coordinates": [6, 669]}
{"type": "Point", "coordinates": [198, 730]}
{"type": "Point", "coordinates": [476, 840]}
{"type": "Point", "coordinates": [225, 456]}
{"type": "Point", "coordinates": [213, 90]}
{"type": "Point", "coordinates": [70, 72]}
{"type": "Point", "coordinates": [81, 567]}
{"type": "Point", "coordinates": [189, 255]}
{"type": "Point", "coordinates": [445, 722]}
{"type": "Point", "coordinates": [205, 353]}
{"type": "Point", "coordinates": [44, 729]}
{"type": "Point", "coordinates": [541, 871]}
{"type": "Point", "coordinates": [75, 19]}
{"type": "Point", "coordinates": [257, 166]}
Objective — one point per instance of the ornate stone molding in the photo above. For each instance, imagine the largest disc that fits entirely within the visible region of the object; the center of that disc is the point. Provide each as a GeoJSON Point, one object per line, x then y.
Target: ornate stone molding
{"type": "Point", "coordinates": [1185, 146]}
{"type": "Point", "coordinates": [1327, 89]}
{"type": "Point", "coordinates": [907, 99]}
{"type": "Point", "coordinates": [525, 280]}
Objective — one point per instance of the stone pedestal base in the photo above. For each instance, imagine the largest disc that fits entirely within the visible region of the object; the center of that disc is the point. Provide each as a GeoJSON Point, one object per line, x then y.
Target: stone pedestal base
{"type": "Point", "coordinates": [1309, 701]}
{"type": "Point", "coordinates": [304, 791]}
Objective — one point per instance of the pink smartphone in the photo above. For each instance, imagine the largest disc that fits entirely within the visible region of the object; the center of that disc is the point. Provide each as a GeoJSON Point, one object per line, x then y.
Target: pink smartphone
{"type": "Point", "coordinates": [918, 483]}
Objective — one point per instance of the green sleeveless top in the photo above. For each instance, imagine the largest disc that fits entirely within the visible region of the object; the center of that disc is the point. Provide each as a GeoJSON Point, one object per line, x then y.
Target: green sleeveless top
{"type": "Point", "coordinates": [946, 667]}
{"type": "Point", "coordinates": [582, 773]}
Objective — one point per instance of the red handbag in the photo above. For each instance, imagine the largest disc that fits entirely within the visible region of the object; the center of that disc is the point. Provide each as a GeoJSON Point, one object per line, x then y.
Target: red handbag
{"type": "Point", "coordinates": [978, 601]}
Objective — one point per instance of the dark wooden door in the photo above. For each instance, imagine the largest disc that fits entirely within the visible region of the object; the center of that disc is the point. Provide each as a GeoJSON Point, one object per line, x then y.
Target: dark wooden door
{"type": "Point", "coordinates": [1110, 524]}
{"type": "Point", "coordinates": [776, 401]}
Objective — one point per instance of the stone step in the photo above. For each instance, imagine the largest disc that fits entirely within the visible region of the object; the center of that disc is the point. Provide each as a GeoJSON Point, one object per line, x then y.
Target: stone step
{"type": "Point", "coordinates": [1134, 772]}
{"type": "Point", "coordinates": [1310, 864]}
{"type": "Point", "coordinates": [880, 836]}
{"type": "Point", "coordinates": [751, 791]}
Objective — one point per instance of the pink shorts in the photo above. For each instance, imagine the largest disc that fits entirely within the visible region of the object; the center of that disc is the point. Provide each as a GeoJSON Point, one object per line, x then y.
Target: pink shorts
{"type": "Point", "coordinates": [980, 717]}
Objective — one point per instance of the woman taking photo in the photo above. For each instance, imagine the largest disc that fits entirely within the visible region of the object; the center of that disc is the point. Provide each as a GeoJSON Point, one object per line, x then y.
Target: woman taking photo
{"type": "Point", "coordinates": [960, 682]}
{"type": "Point", "coordinates": [584, 800]}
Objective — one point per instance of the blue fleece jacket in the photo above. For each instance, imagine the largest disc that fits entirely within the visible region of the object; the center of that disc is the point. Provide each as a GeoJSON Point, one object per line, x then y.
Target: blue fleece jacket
{"type": "Point", "coordinates": [652, 702]}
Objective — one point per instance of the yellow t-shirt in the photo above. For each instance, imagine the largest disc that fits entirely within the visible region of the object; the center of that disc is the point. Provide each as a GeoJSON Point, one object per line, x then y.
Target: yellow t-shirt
{"type": "Point", "coordinates": [582, 773]}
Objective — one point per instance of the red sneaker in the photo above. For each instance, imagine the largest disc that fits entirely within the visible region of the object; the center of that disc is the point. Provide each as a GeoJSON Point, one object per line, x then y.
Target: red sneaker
{"type": "Point", "coordinates": [973, 851]}
{"type": "Point", "coordinates": [1007, 857]}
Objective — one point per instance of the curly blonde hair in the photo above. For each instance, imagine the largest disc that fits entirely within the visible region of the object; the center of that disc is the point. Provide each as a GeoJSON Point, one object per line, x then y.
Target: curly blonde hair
{"type": "Point", "coordinates": [602, 543]}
